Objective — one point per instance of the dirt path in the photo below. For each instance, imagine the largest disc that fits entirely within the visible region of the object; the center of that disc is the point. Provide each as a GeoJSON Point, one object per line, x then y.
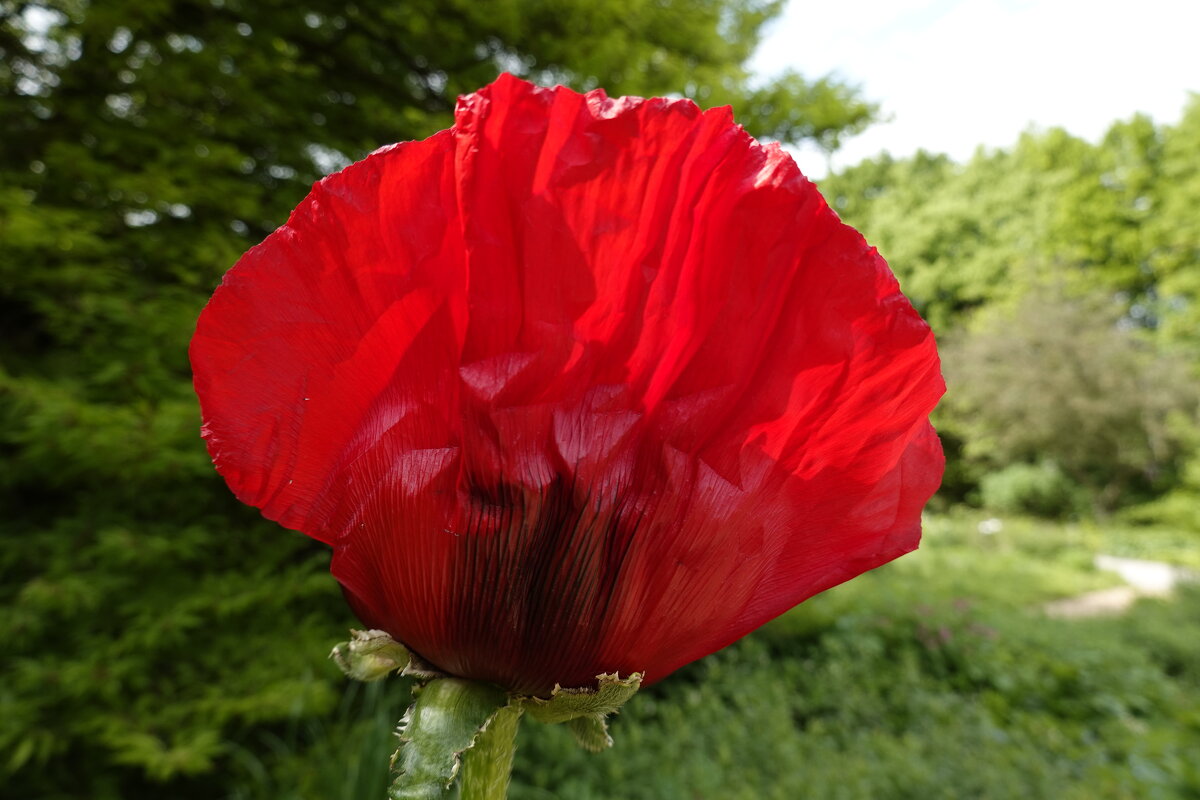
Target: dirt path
{"type": "Point", "coordinates": [1143, 579]}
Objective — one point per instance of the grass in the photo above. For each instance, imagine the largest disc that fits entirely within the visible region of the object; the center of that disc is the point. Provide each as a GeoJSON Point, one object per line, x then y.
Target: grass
{"type": "Point", "coordinates": [934, 677]}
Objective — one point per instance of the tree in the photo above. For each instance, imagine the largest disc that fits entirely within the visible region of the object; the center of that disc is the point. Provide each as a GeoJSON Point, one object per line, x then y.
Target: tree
{"type": "Point", "coordinates": [150, 622]}
{"type": "Point", "coordinates": [1063, 381]}
{"type": "Point", "coordinates": [1173, 231]}
{"type": "Point", "coordinates": [961, 237]}
{"type": "Point", "coordinates": [1051, 218]}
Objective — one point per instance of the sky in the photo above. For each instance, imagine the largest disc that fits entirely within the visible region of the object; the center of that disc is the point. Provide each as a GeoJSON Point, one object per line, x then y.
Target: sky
{"type": "Point", "coordinates": [951, 75]}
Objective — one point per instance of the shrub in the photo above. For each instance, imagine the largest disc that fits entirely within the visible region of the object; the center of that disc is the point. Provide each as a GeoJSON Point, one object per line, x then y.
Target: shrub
{"type": "Point", "coordinates": [1040, 489]}
{"type": "Point", "coordinates": [1066, 378]}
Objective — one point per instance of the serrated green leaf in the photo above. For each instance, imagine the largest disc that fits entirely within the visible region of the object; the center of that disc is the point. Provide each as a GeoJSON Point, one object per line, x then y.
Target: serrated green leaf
{"type": "Point", "coordinates": [612, 692]}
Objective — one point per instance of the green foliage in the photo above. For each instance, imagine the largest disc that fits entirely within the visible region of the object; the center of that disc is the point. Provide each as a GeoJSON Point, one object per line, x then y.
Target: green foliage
{"type": "Point", "coordinates": [1040, 489]}
{"type": "Point", "coordinates": [1173, 230]}
{"type": "Point", "coordinates": [335, 756]}
{"type": "Point", "coordinates": [1180, 507]}
{"type": "Point", "coordinates": [791, 108]}
{"type": "Point", "coordinates": [1054, 209]}
{"type": "Point", "coordinates": [1059, 379]}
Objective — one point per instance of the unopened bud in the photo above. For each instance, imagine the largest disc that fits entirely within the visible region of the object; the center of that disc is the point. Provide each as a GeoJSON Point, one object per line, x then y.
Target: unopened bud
{"type": "Point", "coordinates": [370, 655]}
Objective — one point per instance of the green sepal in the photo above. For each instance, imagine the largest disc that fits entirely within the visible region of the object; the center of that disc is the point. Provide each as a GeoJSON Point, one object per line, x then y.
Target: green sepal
{"type": "Point", "coordinates": [584, 710]}
{"type": "Point", "coordinates": [445, 722]}
{"type": "Point", "coordinates": [590, 732]}
{"type": "Point", "coordinates": [612, 692]}
{"type": "Point", "coordinates": [373, 655]}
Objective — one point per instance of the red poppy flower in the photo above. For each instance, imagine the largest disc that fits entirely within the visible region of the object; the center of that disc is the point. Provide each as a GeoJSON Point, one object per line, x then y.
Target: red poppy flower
{"type": "Point", "coordinates": [580, 385]}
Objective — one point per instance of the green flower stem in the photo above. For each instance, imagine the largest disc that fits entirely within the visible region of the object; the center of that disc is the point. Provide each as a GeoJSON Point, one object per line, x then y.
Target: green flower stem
{"type": "Point", "coordinates": [443, 725]}
{"type": "Point", "coordinates": [487, 766]}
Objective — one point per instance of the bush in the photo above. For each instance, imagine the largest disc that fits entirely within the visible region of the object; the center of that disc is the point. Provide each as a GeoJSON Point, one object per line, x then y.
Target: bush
{"type": "Point", "coordinates": [1040, 489]}
{"type": "Point", "coordinates": [1066, 378]}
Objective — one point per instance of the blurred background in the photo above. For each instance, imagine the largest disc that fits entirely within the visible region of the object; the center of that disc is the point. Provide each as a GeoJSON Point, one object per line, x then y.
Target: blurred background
{"type": "Point", "coordinates": [159, 640]}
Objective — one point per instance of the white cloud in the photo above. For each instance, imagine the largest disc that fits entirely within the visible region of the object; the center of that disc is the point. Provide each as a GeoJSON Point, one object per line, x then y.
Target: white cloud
{"type": "Point", "coordinates": [955, 74]}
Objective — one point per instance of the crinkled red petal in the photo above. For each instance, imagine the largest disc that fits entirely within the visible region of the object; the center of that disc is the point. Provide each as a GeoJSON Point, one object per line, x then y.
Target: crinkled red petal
{"type": "Point", "coordinates": [581, 385]}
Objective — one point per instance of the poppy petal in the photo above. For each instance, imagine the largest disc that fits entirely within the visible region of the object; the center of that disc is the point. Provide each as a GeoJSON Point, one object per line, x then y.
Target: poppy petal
{"type": "Point", "coordinates": [582, 385]}
{"type": "Point", "coordinates": [296, 356]}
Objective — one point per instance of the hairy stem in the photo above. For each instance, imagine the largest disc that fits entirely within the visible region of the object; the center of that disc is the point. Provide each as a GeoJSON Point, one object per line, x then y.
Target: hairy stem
{"type": "Point", "coordinates": [487, 767]}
